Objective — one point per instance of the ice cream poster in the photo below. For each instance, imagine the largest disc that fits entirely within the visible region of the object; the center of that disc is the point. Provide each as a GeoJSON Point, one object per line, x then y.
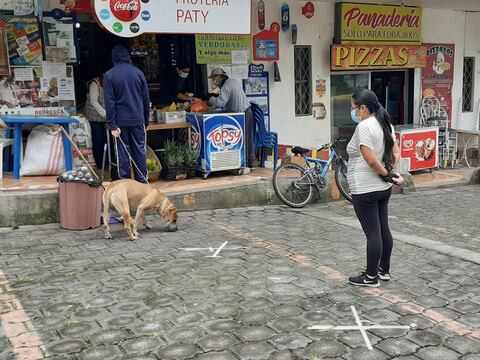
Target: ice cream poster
{"type": "Point", "coordinates": [437, 76]}
{"type": "Point", "coordinates": [421, 148]}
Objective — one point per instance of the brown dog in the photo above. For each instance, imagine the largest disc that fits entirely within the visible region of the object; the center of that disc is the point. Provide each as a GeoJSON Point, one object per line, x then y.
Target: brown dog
{"type": "Point", "coordinates": [125, 194]}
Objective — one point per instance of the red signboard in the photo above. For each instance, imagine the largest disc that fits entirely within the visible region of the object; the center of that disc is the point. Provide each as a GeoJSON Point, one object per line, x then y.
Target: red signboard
{"type": "Point", "coordinates": [420, 147]}
{"type": "Point", "coordinates": [437, 76]}
{"type": "Point", "coordinates": [266, 45]}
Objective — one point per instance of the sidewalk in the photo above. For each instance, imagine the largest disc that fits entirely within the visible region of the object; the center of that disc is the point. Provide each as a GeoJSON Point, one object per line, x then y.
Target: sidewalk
{"type": "Point", "coordinates": [255, 283]}
{"type": "Point", "coordinates": [34, 200]}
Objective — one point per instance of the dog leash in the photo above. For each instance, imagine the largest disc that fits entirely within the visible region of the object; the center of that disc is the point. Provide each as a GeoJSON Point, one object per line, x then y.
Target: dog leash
{"type": "Point", "coordinates": [129, 156]}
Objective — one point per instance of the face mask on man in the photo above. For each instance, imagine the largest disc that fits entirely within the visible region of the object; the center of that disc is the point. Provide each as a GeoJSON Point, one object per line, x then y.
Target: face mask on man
{"type": "Point", "coordinates": [354, 116]}
{"type": "Point", "coordinates": [183, 75]}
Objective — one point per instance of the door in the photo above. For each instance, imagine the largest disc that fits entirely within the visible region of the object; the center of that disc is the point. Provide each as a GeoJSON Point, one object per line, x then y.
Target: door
{"type": "Point", "coordinates": [390, 88]}
{"type": "Point", "coordinates": [342, 88]}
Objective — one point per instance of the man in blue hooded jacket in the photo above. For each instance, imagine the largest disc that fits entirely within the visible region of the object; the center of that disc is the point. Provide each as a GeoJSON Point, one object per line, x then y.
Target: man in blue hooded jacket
{"type": "Point", "coordinates": [127, 106]}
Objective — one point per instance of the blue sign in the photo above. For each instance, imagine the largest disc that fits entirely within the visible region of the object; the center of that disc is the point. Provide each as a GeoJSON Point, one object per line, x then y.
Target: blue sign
{"type": "Point", "coordinates": [285, 17]}
{"type": "Point", "coordinates": [255, 70]}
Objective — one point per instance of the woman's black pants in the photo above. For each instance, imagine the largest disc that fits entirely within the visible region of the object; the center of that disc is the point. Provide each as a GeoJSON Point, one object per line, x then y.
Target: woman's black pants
{"type": "Point", "coordinates": [372, 212]}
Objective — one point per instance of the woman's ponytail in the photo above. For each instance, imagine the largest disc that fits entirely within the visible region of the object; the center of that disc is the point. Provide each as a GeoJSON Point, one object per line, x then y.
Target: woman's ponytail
{"type": "Point", "coordinates": [384, 119]}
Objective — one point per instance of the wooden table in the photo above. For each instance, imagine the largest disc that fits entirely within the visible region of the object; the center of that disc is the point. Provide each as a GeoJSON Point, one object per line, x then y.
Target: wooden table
{"type": "Point", "coordinates": [19, 120]}
{"type": "Point", "coordinates": [153, 127]}
{"type": "Point", "coordinates": [173, 127]}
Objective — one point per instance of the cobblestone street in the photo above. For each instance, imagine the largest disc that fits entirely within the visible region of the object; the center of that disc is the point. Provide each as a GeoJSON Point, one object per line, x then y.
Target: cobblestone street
{"type": "Point", "coordinates": [248, 284]}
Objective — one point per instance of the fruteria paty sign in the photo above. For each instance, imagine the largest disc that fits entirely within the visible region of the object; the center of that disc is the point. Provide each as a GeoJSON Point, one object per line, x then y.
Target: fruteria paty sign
{"type": "Point", "coordinates": [128, 18]}
{"type": "Point", "coordinates": [376, 24]}
{"type": "Point", "coordinates": [361, 57]}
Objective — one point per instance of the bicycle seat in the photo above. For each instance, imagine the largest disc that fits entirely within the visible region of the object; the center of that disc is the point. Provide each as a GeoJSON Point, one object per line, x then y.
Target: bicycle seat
{"type": "Point", "coordinates": [298, 150]}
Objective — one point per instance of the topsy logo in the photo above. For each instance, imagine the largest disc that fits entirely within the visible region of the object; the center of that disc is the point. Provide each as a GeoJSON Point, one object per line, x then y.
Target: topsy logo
{"type": "Point", "coordinates": [225, 137]}
{"type": "Point", "coordinates": [125, 10]}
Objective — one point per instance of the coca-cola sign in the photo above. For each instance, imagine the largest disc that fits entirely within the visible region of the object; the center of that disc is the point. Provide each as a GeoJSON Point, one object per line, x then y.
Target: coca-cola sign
{"type": "Point", "coordinates": [125, 10]}
{"type": "Point", "coordinates": [129, 18]}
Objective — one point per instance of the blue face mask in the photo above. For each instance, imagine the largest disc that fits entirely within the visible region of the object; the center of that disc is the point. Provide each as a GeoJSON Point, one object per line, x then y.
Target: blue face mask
{"type": "Point", "coordinates": [355, 118]}
{"type": "Point", "coordinates": [183, 75]}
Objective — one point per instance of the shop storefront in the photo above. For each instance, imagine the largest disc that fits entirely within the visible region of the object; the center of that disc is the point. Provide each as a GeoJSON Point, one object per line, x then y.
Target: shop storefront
{"type": "Point", "coordinates": [376, 47]}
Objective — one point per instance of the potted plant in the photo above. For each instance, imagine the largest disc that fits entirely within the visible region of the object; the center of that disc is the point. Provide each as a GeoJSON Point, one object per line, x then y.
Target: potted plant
{"type": "Point", "coordinates": [190, 160]}
{"type": "Point", "coordinates": [173, 159]}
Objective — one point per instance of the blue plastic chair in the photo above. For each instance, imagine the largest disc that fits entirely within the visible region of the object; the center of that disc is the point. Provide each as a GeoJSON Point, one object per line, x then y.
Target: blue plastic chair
{"type": "Point", "coordinates": [264, 139]}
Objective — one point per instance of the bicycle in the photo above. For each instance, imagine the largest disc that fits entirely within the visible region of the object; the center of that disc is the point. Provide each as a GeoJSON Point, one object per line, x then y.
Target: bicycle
{"type": "Point", "coordinates": [294, 183]}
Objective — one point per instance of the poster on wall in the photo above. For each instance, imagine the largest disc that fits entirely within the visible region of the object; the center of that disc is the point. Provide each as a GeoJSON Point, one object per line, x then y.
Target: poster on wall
{"type": "Point", "coordinates": [266, 45]}
{"type": "Point", "coordinates": [31, 91]}
{"type": "Point", "coordinates": [23, 7]}
{"type": "Point", "coordinates": [4, 60]}
{"type": "Point", "coordinates": [256, 87]}
{"type": "Point", "coordinates": [437, 76]}
{"type": "Point", "coordinates": [59, 38]}
{"type": "Point", "coordinates": [24, 41]}
{"type": "Point", "coordinates": [320, 87]}
{"type": "Point", "coordinates": [217, 48]}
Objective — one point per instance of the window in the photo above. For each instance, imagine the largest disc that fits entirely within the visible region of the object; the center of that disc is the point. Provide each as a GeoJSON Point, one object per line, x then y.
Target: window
{"type": "Point", "coordinates": [303, 80]}
{"type": "Point", "coordinates": [467, 94]}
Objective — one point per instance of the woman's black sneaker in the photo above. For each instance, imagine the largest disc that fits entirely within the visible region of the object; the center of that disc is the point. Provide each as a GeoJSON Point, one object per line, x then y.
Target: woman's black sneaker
{"type": "Point", "coordinates": [364, 280]}
{"type": "Point", "coordinates": [383, 275]}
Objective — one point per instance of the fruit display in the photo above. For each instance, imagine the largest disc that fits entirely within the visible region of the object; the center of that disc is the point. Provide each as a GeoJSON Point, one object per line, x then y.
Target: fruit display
{"type": "Point", "coordinates": [152, 165]}
{"type": "Point", "coordinates": [199, 106]}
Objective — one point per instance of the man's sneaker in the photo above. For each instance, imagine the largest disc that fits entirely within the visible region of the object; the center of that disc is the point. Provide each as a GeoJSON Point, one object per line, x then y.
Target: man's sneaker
{"type": "Point", "coordinates": [383, 275]}
{"type": "Point", "coordinates": [364, 280]}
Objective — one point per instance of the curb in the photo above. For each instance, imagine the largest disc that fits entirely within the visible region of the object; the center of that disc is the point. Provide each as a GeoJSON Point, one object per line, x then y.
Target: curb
{"type": "Point", "coordinates": [41, 207]}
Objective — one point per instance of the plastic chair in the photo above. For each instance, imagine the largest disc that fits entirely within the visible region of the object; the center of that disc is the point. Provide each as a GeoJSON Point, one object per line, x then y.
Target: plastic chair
{"type": "Point", "coordinates": [264, 139]}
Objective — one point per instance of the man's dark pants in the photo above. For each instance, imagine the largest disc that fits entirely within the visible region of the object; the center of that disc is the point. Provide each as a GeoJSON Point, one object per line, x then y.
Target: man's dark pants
{"type": "Point", "coordinates": [134, 138]}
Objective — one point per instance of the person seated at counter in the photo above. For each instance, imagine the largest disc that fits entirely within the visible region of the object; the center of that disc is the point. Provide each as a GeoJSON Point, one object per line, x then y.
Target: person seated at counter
{"type": "Point", "coordinates": [177, 84]}
{"type": "Point", "coordinates": [232, 98]}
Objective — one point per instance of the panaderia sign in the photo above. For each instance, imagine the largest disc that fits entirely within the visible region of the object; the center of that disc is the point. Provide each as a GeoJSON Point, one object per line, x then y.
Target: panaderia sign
{"type": "Point", "coordinates": [128, 18]}
{"type": "Point", "coordinates": [376, 24]}
{"type": "Point", "coordinates": [362, 57]}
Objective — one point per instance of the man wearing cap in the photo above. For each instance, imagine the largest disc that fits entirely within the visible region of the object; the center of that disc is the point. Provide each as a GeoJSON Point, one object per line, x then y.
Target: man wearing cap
{"type": "Point", "coordinates": [127, 106]}
{"type": "Point", "coordinates": [232, 98]}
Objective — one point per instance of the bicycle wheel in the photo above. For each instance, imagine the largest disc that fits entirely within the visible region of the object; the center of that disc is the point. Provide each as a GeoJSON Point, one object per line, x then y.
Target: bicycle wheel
{"type": "Point", "coordinates": [293, 185]}
{"type": "Point", "coordinates": [341, 181]}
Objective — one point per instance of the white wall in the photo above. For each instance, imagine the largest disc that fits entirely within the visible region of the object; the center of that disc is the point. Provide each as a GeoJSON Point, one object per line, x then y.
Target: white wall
{"type": "Point", "coordinates": [317, 32]}
{"type": "Point", "coordinates": [463, 30]}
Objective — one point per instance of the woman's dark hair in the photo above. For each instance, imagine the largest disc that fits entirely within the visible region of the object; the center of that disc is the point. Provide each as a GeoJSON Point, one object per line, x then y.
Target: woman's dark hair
{"type": "Point", "coordinates": [367, 97]}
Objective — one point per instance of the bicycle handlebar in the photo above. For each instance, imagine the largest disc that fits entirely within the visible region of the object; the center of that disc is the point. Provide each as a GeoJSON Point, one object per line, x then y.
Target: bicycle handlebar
{"type": "Point", "coordinates": [332, 144]}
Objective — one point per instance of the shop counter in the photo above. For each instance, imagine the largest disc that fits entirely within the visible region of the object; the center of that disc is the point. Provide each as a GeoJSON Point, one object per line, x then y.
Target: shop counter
{"type": "Point", "coordinates": [219, 139]}
{"type": "Point", "coordinates": [17, 121]}
{"type": "Point", "coordinates": [418, 147]}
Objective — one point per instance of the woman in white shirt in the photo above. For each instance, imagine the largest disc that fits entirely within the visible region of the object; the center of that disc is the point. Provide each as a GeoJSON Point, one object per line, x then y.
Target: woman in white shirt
{"type": "Point", "coordinates": [373, 153]}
